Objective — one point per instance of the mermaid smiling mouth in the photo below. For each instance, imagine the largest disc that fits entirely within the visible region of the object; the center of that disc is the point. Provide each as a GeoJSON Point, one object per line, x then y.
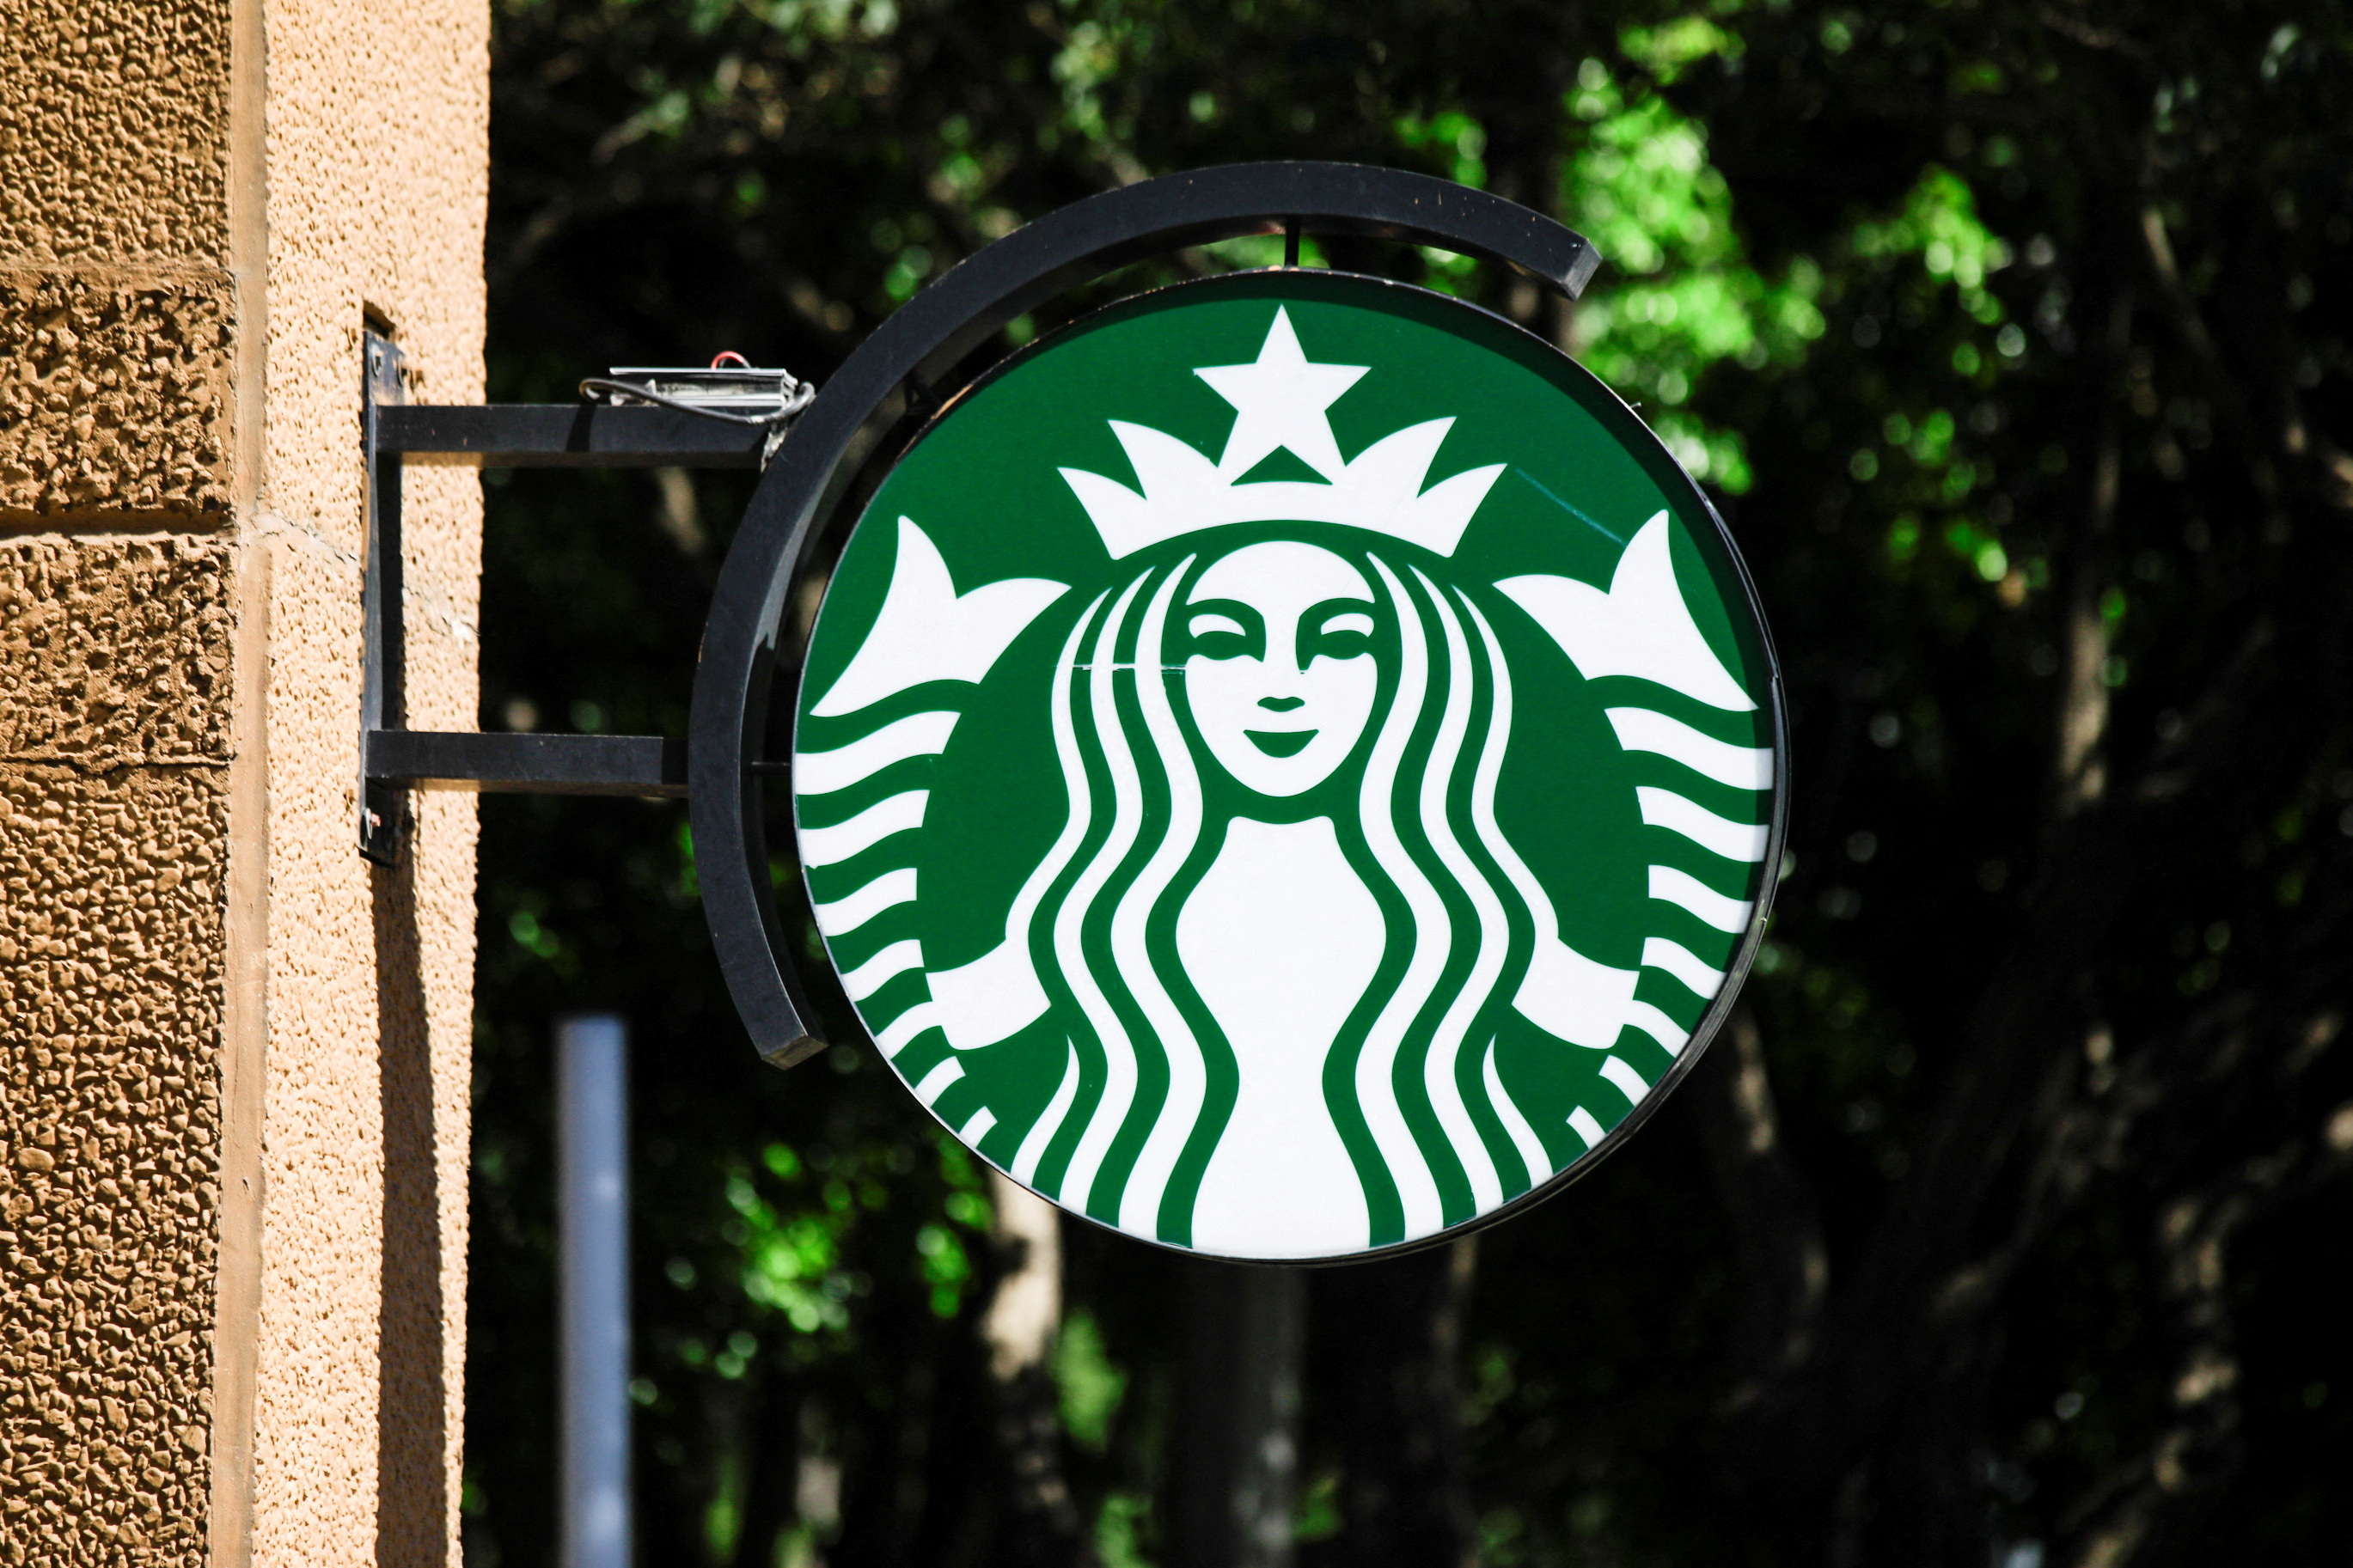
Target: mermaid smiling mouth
{"type": "Point", "coordinates": [1281, 742]}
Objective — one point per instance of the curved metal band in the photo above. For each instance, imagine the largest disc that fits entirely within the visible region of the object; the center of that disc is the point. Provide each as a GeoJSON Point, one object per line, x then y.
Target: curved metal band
{"type": "Point", "coordinates": [900, 365]}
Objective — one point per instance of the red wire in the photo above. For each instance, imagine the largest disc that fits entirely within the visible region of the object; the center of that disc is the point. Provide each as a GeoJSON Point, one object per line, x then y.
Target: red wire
{"type": "Point", "coordinates": [721, 358]}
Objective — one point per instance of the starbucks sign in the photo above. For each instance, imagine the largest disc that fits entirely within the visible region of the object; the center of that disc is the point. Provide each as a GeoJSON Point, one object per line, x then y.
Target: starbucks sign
{"type": "Point", "coordinates": [1286, 766]}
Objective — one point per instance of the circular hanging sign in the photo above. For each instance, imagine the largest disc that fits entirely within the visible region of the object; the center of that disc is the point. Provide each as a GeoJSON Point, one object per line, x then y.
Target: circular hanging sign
{"type": "Point", "coordinates": [1287, 766]}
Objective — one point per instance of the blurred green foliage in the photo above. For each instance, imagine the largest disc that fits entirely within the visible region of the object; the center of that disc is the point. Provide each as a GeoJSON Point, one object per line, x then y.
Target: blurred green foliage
{"type": "Point", "coordinates": [2013, 340]}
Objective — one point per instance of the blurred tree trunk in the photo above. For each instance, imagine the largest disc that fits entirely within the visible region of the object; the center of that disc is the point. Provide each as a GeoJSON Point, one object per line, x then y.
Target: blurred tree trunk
{"type": "Point", "coordinates": [1233, 1479]}
{"type": "Point", "coordinates": [1391, 1336]}
{"type": "Point", "coordinates": [886, 1448]}
{"type": "Point", "coordinates": [1784, 1266]}
{"type": "Point", "coordinates": [772, 1463]}
{"type": "Point", "coordinates": [1039, 1526]}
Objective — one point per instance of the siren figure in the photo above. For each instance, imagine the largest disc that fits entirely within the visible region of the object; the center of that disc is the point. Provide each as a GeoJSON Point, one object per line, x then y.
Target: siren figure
{"type": "Point", "coordinates": [1279, 927]}
{"type": "Point", "coordinates": [1312, 908]}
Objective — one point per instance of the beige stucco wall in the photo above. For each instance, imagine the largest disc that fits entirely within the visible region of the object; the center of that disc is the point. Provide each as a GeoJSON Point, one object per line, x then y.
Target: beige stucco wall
{"type": "Point", "coordinates": [233, 1090]}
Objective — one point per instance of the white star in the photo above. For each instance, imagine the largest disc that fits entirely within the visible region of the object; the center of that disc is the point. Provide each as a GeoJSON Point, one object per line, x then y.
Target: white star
{"type": "Point", "coordinates": [1280, 401]}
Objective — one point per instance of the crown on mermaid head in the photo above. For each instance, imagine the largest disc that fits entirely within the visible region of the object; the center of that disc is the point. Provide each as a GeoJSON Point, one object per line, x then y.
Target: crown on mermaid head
{"type": "Point", "coordinates": [1281, 402]}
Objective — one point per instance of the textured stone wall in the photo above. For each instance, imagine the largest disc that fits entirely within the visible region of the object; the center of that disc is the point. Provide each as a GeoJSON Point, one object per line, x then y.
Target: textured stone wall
{"type": "Point", "coordinates": [233, 1056]}
{"type": "Point", "coordinates": [109, 968]}
{"type": "Point", "coordinates": [113, 396]}
{"type": "Point", "coordinates": [113, 821]}
{"type": "Point", "coordinates": [116, 322]}
{"type": "Point", "coordinates": [115, 302]}
{"type": "Point", "coordinates": [113, 130]}
{"type": "Point", "coordinates": [114, 652]}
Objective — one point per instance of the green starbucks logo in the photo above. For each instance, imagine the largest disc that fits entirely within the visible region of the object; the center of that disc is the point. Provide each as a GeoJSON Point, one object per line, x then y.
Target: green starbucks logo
{"type": "Point", "coordinates": [1285, 765]}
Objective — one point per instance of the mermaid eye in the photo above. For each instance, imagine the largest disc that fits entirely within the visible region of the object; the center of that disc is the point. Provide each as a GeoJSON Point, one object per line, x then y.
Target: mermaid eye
{"type": "Point", "coordinates": [1343, 633]}
{"type": "Point", "coordinates": [1214, 625]}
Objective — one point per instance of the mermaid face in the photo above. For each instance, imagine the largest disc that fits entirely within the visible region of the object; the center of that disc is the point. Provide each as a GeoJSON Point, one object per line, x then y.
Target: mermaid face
{"type": "Point", "coordinates": [1281, 675]}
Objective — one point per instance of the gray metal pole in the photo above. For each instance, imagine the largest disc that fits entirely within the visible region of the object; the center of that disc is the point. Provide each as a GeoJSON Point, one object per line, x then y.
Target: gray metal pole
{"type": "Point", "coordinates": [592, 1220]}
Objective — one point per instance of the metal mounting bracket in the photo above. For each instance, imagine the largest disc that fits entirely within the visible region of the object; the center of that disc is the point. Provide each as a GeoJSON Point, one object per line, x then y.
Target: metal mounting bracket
{"type": "Point", "coordinates": [394, 758]}
{"type": "Point", "coordinates": [384, 806]}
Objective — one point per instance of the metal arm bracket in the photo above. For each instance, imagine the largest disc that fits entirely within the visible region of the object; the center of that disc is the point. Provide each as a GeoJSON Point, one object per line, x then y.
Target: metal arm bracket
{"type": "Point", "coordinates": [394, 758]}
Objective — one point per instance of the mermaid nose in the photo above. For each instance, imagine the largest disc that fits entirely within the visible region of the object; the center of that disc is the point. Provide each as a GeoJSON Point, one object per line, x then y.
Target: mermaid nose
{"type": "Point", "coordinates": [1282, 704]}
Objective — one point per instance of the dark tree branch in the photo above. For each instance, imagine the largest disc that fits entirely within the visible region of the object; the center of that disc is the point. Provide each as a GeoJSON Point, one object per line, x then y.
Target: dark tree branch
{"type": "Point", "coordinates": [2221, 386]}
{"type": "Point", "coordinates": [1909, 1323]}
{"type": "Point", "coordinates": [1776, 1217]}
{"type": "Point", "coordinates": [2197, 1445]}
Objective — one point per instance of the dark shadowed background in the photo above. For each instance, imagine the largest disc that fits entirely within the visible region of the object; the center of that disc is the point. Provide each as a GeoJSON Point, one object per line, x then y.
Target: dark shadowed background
{"type": "Point", "coordinates": [2006, 1225]}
